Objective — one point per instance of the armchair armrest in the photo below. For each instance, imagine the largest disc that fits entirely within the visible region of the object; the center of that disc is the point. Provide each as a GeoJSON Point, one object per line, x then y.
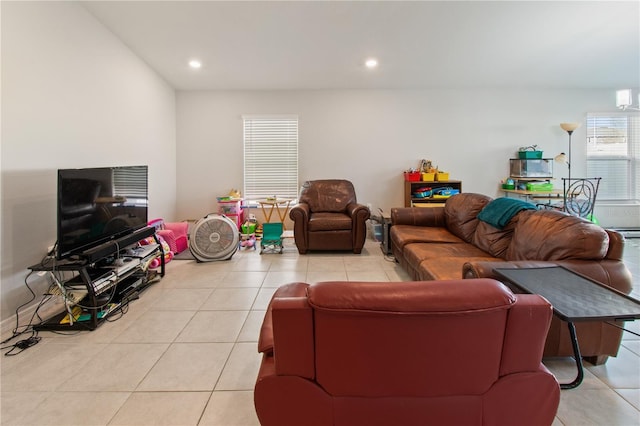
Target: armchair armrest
{"type": "Point", "coordinates": [359, 211]}
{"type": "Point", "coordinates": [299, 212]}
{"type": "Point", "coordinates": [433, 216]}
{"type": "Point", "coordinates": [180, 231]}
{"type": "Point", "coordinates": [293, 344]}
{"type": "Point", "coordinates": [180, 228]}
{"type": "Point", "coordinates": [170, 237]}
{"type": "Point", "coordinates": [265, 341]}
{"type": "Point", "coordinates": [527, 327]}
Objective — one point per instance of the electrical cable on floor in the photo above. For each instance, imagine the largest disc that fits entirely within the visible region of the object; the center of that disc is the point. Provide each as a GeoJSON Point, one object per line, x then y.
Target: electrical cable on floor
{"type": "Point", "coordinates": [20, 330]}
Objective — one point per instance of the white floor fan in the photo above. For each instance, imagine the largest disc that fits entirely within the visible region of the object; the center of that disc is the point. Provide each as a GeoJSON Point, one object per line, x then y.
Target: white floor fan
{"type": "Point", "coordinates": [214, 237]}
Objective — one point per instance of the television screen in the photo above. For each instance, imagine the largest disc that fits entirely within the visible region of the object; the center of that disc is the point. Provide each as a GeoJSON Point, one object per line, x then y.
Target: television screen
{"type": "Point", "coordinates": [98, 205]}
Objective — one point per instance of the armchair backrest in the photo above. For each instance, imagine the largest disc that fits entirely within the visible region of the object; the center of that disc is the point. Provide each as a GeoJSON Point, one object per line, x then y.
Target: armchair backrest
{"type": "Point", "coordinates": [410, 339]}
{"type": "Point", "coordinates": [328, 195]}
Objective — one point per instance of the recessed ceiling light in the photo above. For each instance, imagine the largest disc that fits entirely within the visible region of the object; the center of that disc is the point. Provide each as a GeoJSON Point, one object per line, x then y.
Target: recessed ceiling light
{"type": "Point", "coordinates": [195, 63]}
{"type": "Point", "coordinates": [371, 63]}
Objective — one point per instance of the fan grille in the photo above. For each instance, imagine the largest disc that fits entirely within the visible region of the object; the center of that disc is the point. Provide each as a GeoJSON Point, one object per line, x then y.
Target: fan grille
{"type": "Point", "coordinates": [214, 237]}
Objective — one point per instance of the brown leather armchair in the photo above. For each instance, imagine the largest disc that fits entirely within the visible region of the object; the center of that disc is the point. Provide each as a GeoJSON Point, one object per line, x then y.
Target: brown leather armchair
{"type": "Point", "coordinates": [328, 217]}
{"type": "Point", "coordinates": [459, 352]}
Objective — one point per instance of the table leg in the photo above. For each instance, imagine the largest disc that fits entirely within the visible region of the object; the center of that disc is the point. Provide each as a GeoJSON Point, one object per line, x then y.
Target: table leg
{"type": "Point", "coordinates": [576, 353]}
{"type": "Point", "coordinates": [283, 214]}
{"type": "Point", "coordinates": [267, 216]}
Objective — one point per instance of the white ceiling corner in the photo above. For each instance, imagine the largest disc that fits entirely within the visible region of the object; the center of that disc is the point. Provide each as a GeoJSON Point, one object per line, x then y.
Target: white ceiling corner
{"type": "Point", "coordinates": [271, 45]}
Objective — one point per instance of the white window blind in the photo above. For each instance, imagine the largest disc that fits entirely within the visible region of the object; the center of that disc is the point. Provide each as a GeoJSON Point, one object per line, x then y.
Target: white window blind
{"type": "Point", "coordinates": [130, 182]}
{"type": "Point", "coordinates": [270, 157]}
{"type": "Point", "coordinates": [613, 153]}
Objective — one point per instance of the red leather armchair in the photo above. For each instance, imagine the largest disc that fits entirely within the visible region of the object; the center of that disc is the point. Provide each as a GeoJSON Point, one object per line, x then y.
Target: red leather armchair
{"type": "Point", "coordinates": [328, 217]}
{"type": "Point", "coordinates": [460, 352]}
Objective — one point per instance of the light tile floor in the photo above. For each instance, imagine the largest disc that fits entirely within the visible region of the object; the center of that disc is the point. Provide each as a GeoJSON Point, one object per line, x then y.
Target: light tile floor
{"type": "Point", "coordinates": [185, 352]}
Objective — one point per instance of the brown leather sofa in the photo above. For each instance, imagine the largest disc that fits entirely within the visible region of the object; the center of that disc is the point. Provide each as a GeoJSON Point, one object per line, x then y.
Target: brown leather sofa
{"type": "Point", "coordinates": [451, 242]}
{"type": "Point", "coordinates": [463, 352]}
{"type": "Point", "coordinates": [328, 217]}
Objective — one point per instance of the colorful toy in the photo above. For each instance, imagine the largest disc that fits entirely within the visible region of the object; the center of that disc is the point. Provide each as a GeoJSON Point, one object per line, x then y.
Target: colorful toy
{"type": "Point", "coordinates": [168, 254]}
{"type": "Point", "coordinates": [248, 241]}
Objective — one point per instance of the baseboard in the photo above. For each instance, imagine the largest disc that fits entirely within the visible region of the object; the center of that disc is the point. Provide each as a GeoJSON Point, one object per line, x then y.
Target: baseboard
{"type": "Point", "coordinates": [629, 232]}
{"type": "Point", "coordinates": [47, 310]}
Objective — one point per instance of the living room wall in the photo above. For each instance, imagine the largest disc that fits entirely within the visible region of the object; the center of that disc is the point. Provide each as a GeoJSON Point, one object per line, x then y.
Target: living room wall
{"type": "Point", "coordinates": [72, 96]}
{"type": "Point", "coordinates": [371, 136]}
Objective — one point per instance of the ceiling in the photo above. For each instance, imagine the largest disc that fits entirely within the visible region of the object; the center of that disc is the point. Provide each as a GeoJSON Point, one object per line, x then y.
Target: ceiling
{"type": "Point", "coordinates": [268, 45]}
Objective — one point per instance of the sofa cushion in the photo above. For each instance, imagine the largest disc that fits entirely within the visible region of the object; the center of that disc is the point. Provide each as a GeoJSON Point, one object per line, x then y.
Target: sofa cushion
{"type": "Point", "coordinates": [417, 252]}
{"type": "Point", "coordinates": [401, 235]}
{"type": "Point", "coordinates": [554, 235]}
{"type": "Point", "coordinates": [461, 213]}
{"type": "Point", "coordinates": [325, 221]}
{"type": "Point", "coordinates": [496, 241]}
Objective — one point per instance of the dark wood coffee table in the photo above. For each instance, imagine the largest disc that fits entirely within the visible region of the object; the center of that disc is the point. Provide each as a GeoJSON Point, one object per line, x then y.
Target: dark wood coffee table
{"type": "Point", "coordinates": [574, 297]}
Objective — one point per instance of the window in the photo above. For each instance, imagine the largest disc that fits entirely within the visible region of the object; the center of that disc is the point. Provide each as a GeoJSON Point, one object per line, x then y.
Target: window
{"type": "Point", "coordinates": [270, 157]}
{"type": "Point", "coordinates": [131, 183]}
{"type": "Point", "coordinates": [613, 153]}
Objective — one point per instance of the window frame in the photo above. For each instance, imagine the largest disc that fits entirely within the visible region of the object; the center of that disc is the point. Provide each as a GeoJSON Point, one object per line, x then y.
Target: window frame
{"type": "Point", "coordinates": [620, 171]}
{"type": "Point", "coordinates": [276, 136]}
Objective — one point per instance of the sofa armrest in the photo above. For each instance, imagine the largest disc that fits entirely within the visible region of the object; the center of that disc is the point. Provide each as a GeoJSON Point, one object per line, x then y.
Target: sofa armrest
{"type": "Point", "coordinates": [484, 269]}
{"type": "Point", "coordinates": [616, 245]}
{"type": "Point", "coordinates": [432, 216]}
{"type": "Point", "coordinates": [612, 273]}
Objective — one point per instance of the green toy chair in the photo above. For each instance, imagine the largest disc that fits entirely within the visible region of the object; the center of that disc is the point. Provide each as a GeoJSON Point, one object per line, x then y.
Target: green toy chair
{"type": "Point", "coordinates": [271, 237]}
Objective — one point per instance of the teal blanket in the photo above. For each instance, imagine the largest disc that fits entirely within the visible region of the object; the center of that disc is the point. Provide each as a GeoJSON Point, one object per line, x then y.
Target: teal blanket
{"type": "Point", "coordinates": [500, 211]}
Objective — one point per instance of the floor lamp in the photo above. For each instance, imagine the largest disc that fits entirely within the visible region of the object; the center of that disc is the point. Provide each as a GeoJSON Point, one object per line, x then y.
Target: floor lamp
{"type": "Point", "coordinates": [569, 128]}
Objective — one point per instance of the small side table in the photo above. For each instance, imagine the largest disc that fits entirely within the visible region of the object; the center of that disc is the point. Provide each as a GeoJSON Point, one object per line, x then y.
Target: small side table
{"type": "Point", "coordinates": [281, 205]}
{"type": "Point", "coordinates": [574, 298]}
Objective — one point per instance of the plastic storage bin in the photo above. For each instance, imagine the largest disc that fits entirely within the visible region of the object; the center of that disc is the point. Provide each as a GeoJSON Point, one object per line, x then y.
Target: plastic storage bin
{"type": "Point", "coordinates": [233, 210]}
{"type": "Point", "coordinates": [412, 176]}
{"type": "Point", "coordinates": [521, 168]}
{"type": "Point", "coordinates": [526, 155]}
{"type": "Point", "coordinates": [539, 186]}
{"type": "Point", "coordinates": [428, 177]}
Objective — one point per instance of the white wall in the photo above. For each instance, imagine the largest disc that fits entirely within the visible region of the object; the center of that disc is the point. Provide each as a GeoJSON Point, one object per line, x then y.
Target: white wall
{"type": "Point", "coordinates": [72, 96]}
{"type": "Point", "coordinates": [371, 136]}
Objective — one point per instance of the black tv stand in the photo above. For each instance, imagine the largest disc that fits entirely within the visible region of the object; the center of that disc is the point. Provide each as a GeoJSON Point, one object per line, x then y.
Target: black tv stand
{"type": "Point", "coordinates": [98, 287]}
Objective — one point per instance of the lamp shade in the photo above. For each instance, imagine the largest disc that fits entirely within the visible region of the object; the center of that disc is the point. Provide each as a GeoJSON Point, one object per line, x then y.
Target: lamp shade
{"type": "Point", "coordinates": [623, 98]}
{"type": "Point", "coordinates": [569, 127]}
{"type": "Point", "coordinates": [561, 158]}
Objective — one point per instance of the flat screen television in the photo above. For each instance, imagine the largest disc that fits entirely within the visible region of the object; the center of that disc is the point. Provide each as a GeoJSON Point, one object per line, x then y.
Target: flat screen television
{"type": "Point", "coordinates": [98, 205]}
